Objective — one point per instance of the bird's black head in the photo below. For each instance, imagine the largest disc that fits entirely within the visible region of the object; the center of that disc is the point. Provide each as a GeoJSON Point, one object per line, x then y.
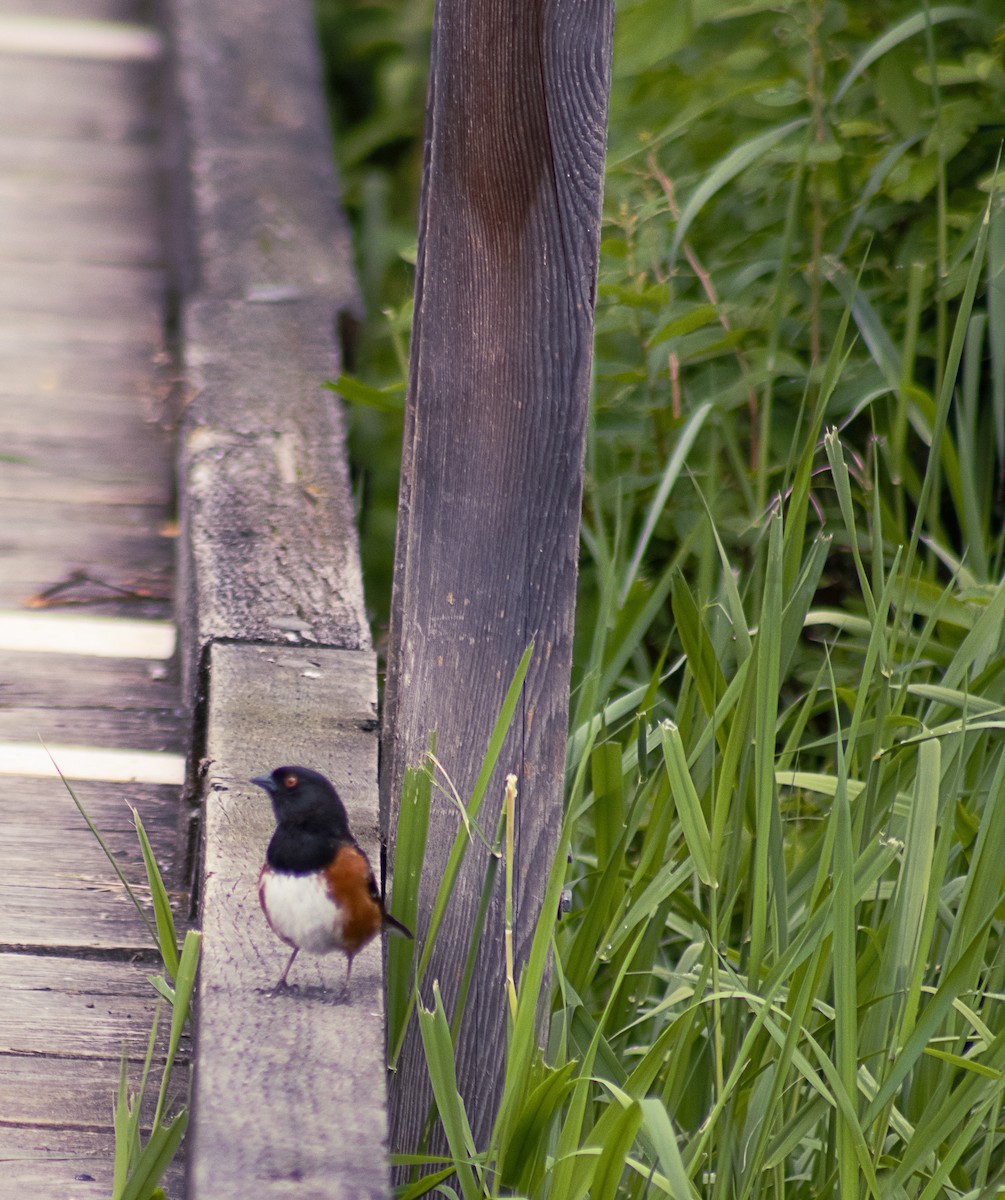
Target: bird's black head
{"type": "Point", "coordinates": [302, 797]}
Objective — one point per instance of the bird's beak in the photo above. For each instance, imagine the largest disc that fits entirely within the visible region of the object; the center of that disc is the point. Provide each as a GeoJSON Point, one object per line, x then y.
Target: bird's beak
{"type": "Point", "coordinates": [263, 781]}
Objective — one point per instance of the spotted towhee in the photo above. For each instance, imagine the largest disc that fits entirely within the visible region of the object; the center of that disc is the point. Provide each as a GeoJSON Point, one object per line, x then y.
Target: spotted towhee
{"type": "Point", "coordinates": [317, 888]}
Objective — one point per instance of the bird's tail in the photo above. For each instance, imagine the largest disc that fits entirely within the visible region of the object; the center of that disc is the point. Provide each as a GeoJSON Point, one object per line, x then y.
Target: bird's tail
{"type": "Point", "coordinates": [394, 924]}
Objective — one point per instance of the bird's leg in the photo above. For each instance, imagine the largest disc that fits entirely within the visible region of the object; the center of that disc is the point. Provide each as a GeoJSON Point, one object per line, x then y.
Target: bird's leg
{"type": "Point", "coordinates": [348, 976]}
{"type": "Point", "coordinates": [282, 978]}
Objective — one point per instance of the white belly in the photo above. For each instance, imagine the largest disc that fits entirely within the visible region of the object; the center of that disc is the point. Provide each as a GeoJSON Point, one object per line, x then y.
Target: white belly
{"type": "Point", "coordinates": [301, 911]}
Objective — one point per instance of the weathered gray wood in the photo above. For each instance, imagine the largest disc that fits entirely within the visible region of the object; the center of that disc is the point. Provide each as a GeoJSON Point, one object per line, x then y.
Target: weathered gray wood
{"type": "Point", "coordinates": [86, 100]}
{"type": "Point", "coordinates": [29, 373]}
{"type": "Point", "coordinates": [264, 266]}
{"type": "Point", "coordinates": [39, 483]}
{"type": "Point", "coordinates": [77, 901]}
{"type": "Point", "coordinates": [44, 1162]}
{"type": "Point", "coordinates": [93, 10]}
{"type": "Point", "coordinates": [125, 558]}
{"type": "Point", "coordinates": [126, 295]}
{"type": "Point", "coordinates": [65, 438]}
{"type": "Point", "coordinates": [81, 1007]}
{"type": "Point", "coordinates": [265, 262]}
{"type": "Point", "coordinates": [289, 1091]}
{"type": "Point", "coordinates": [267, 512]}
{"type": "Point", "coordinates": [72, 236]}
{"type": "Point", "coordinates": [491, 473]}
{"type": "Point", "coordinates": [28, 1083]}
{"type": "Point", "coordinates": [46, 804]}
{"type": "Point", "coordinates": [89, 164]}
{"type": "Point", "coordinates": [56, 1136]}
{"type": "Point", "coordinates": [89, 683]}
{"type": "Point", "coordinates": [85, 482]}
{"type": "Point", "coordinates": [139, 729]}
{"type": "Point", "coordinates": [30, 326]}
{"type": "Point", "coordinates": [39, 1163]}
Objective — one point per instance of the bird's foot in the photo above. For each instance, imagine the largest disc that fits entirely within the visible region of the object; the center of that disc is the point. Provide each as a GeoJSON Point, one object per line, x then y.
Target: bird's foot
{"type": "Point", "coordinates": [281, 986]}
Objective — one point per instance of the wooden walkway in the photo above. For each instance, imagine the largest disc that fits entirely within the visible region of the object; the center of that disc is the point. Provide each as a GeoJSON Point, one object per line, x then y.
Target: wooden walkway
{"type": "Point", "coordinates": [86, 578]}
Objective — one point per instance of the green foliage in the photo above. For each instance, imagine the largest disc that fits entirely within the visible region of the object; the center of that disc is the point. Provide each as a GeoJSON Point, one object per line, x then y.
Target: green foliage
{"type": "Point", "coordinates": [783, 975]}
{"type": "Point", "coordinates": [139, 1166]}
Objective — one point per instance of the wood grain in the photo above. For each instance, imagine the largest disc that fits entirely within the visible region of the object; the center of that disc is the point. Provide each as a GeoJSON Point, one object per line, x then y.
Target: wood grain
{"type": "Point", "coordinates": [492, 465]}
{"type": "Point", "coordinates": [85, 100]}
{"type": "Point", "coordinates": [88, 683]}
{"type": "Point", "coordinates": [76, 900]}
{"type": "Point", "coordinates": [80, 1007]}
{"type": "Point", "coordinates": [85, 484]}
{"type": "Point", "coordinates": [269, 523]}
{"type": "Point", "coordinates": [48, 1161]}
{"type": "Point", "coordinates": [312, 1060]}
{"type": "Point", "coordinates": [109, 725]}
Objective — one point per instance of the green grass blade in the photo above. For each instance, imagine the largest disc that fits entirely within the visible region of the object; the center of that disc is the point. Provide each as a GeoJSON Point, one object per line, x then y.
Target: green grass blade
{"type": "Point", "coordinates": [409, 855]}
{"type": "Point", "coordinates": [658, 1128]}
{"type": "Point", "coordinates": [768, 651]}
{"type": "Point", "coordinates": [155, 1158]}
{"type": "Point", "coordinates": [167, 938]}
{"type": "Point", "coordinates": [180, 1009]}
{"type": "Point", "coordinates": [671, 473]}
{"type": "Point", "coordinates": [845, 989]}
{"type": "Point", "coordinates": [909, 27]}
{"type": "Point", "coordinates": [726, 170]}
{"type": "Point", "coordinates": [457, 852]}
{"type": "Point", "coordinates": [439, 1050]}
{"type": "Point", "coordinates": [689, 808]}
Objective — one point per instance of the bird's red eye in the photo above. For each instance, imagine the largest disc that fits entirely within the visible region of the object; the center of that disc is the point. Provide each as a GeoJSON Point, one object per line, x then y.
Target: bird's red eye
{"type": "Point", "coordinates": [289, 782]}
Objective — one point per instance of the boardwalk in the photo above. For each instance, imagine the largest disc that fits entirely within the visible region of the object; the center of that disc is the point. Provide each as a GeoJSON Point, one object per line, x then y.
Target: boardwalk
{"type": "Point", "coordinates": [86, 579]}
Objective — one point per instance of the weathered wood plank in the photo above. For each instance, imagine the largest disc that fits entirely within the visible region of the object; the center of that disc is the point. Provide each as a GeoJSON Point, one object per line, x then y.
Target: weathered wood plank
{"type": "Point", "coordinates": [97, 725]}
{"type": "Point", "coordinates": [53, 359]}
{"type": "Point", "coordinates": [73, 912]}
{"type": "Point", "coordinates": [64, 1164]}
{"type": "Point", "coordinates": [43, 550]}
{"type": "Point", "coordinates": [79, 1007]}
{"type": "Point", "coordinates": [86, 482]}
{"type": "Point", "coordinates": [67, 160]}
{"type": "Point", "coordinates": [488, 527]}
{"type": "Point", "coordinates": [106, 202]}
{"type": "Point", "coordinates": [71, 236]}
{"type": "Point", "coordinates": [71, 1094]}
{"type": "Point", "coordinates": [61, 371]}
{"type": "Point", "coordinates": [88, 531]}
{"type": "Point", "coordinates": [63, 402]}
{"type": "Point", "coordinates": [86, 683]}
{"type": "Point", "coordinates": [125, 294]}
{"type": "Point", "coordinates": [313, 1063]}
{"type": "Point", "coordinates": [56, 1123]}
{"type": "Point", "coordinates": [93, 10]}
{"type": "Point", "coordinates": [46, 805]}
{"type": "Point", "coordinates": [36, 331]}
{"type": "Point", "coordinates": [267, 508]}
{"type": "Point", "coordinates": [133, 502]}
{"type": "Point", "coordinates": [89, 100]}
{"type": "Point", "coordinates": [60, 437]}
{"type": "Point", "coordinates": [268, 525]}
{"type": "Point", "coordinates": [75, 427]}
{"type": "Point", "coordinates": [53, 1162]}
{"type": "Point", "coordinates": [58, 889]}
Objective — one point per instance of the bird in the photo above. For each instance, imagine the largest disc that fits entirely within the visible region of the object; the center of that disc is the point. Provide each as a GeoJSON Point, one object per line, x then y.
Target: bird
{"type": "Point", "coordinates": [317, 888]}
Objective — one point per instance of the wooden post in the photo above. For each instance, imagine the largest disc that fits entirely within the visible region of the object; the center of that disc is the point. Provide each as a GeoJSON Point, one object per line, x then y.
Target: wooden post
{"type": "Point", "coordinates": [491, 483]}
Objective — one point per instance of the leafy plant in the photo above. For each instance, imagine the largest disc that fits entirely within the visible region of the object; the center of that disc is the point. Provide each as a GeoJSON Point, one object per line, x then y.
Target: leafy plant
{"type": "Point", "coordinates": [783, 971]}
{"type": "Point", "coordinates": [139, 1166]}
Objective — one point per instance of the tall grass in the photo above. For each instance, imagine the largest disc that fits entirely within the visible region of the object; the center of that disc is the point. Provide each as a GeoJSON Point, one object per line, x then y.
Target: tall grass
{"type": "Point", "coordinates": [783, 973]}
{"type": "Point", "coordinates": [783, 970]}
{"type": "Point", "coordinates": [140, 1165]}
